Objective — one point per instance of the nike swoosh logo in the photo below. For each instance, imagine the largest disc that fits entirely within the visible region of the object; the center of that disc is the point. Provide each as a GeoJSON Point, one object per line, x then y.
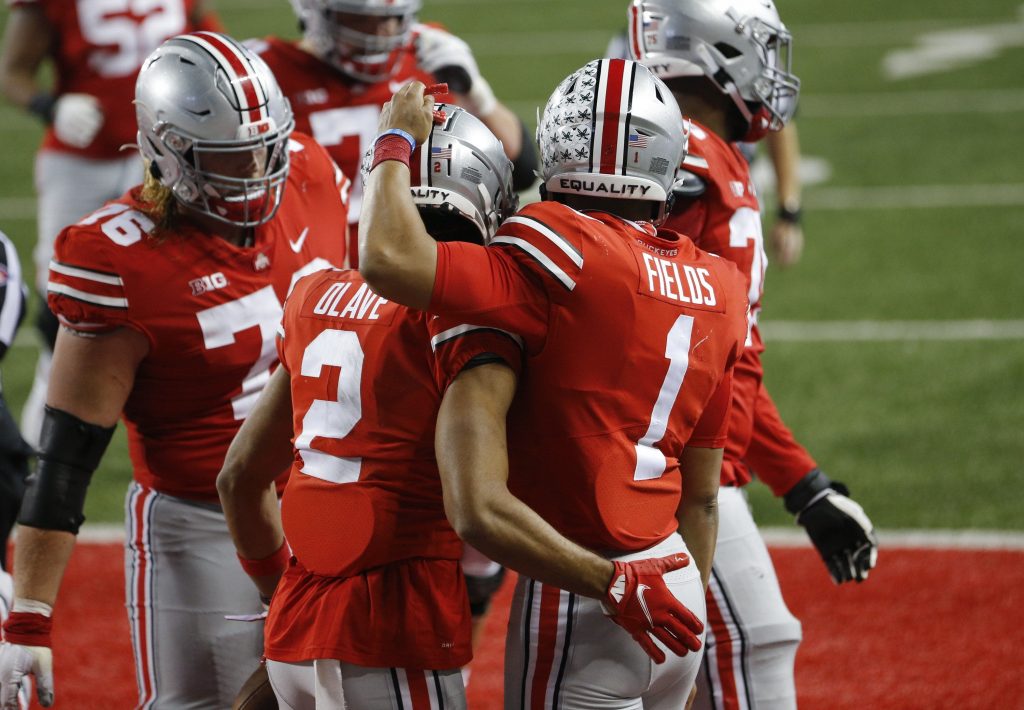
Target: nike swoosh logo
{"type": "Point", "coordinates": [643, 603]}
{"type": "Point", "coordinates": [297, 244]}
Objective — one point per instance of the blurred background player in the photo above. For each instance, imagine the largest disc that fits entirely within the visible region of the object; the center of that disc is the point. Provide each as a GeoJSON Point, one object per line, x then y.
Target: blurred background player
{"type": "Point", "coordinates": [168, 300]}
{"type": "Point", "coordinates": [96, 48]}
{"type": "Point", "coordinates": [364, 463]}
{"type": "Point", "coordinates": [588, 466]}
{"type": "Point", "coordinates": [786, 236]}
{"type": "Point", "coordinates": [14, 452]}
{"type": "Point", "coordinates": [728, 64]}
{"type": "Point", "coordinates": [354, 54]}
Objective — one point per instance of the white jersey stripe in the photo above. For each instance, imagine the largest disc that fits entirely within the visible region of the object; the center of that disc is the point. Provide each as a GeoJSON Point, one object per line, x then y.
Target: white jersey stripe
{"type": "Point", "coordinates": [541, 258]}
{"type": "Point", "coordinates": [80, 273]}
{"type": "Point", "coordinates": [695, 161]}
{"type": "Point", "coordinates": [551, 235]}
{"type": "Point", "coordinates": [461, 330]}
{"type": "Point", "coordinates": [109, 301]}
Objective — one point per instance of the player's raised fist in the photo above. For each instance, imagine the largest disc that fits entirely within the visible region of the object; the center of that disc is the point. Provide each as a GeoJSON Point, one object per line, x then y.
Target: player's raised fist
{"type": "Point", "coordinates": [410, 110]}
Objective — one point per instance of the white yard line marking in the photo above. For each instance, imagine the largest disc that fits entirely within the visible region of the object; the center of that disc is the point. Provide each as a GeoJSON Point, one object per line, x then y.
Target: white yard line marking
{"type": "Point", "coordinates": [891, 331]}
{"type": "Point", "coordinates": [99, 533]}
{"type": "Point", "coordinates": [914, 196]}
{"type": "Point", "coordinates": [911, 103]}
{"type": "Point", "coordinates": [924, 539]}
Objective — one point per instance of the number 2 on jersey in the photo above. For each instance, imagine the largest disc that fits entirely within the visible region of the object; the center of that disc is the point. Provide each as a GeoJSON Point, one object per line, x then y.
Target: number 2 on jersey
{"type": "Point", "coordinates": [332, 419]}
{"type": "Point", "coordinates": [650, 462]}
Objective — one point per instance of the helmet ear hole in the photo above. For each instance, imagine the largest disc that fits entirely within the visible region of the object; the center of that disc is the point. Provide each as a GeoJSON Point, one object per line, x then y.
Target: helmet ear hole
{"type": "Point", "coordinates": [727, 50]}
{"type": "Point", "coordinates": [155, 171]}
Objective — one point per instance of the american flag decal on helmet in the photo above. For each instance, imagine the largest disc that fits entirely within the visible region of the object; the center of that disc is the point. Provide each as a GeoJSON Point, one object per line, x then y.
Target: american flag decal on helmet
{"type": "Point", "coordinates": [637, 140]}
{"type": "Point", "coordinates": [612, 102]}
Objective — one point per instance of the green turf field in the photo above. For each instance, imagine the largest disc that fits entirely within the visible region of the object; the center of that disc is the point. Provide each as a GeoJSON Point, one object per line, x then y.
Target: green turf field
{"type": "Point", "coordinates": [920, 219]}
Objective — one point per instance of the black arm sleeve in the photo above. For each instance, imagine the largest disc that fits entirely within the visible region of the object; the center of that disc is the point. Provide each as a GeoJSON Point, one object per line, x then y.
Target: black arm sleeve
{"type": "Point", "coordinates": [524, 166]}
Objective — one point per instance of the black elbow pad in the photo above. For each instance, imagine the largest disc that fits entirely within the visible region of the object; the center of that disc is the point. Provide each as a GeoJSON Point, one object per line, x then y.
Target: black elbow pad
{"type": "Point", "coordinates": [69, 452]}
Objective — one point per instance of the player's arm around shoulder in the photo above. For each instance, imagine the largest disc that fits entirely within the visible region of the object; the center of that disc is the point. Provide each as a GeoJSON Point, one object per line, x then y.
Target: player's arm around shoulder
{"type": "Point", "coordinates": [472, 455]}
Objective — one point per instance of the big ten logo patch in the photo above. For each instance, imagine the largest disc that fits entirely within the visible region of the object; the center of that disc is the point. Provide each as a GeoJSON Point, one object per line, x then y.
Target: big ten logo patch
{"type": "Point", "coordinates": [208, 283]}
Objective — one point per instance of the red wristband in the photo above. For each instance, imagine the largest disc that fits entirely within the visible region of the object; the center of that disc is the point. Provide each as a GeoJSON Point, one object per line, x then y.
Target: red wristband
{"type": "Point", "coordinates": [391, 147]}
{"type": "Point", "coordinates": [274, 564]}
{"type": "Point", "coordinates": [28, 629]}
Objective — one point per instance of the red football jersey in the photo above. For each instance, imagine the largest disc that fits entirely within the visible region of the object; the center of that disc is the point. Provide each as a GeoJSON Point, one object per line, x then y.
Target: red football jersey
{"type": "Point", "coordinates": [209, 309]}
{"type": "Point", "coordinates": [726, 219]}
{"type": "Point", "coordinates": [98, 49]}
{"type": "Point", "coordinates": [367, 377]}
{"type": "Point", "coordinates": [630, 335]}
{"type": "Point", "coordinates": [338, 111]}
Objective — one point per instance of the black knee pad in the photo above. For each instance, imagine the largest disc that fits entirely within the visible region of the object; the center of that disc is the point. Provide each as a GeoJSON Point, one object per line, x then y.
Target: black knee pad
{"type": "Point", "coordinates": [481, 589]}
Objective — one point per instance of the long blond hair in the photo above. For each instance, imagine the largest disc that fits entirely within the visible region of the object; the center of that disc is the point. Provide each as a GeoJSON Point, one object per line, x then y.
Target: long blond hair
{"type": "Point", "coordinates": [161, 206]}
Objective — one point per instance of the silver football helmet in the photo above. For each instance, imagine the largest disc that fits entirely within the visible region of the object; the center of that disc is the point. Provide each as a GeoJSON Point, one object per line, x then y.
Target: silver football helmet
{"type": "Point", "coordinates": [214, 125]}
{"type": "Point", "coordinates": [362, 38]}
{"type": "Point", "coordinates": [742, 46]}
{"type": "Point", "coordinates": [461, 170]}
{"type": "Point", "coordinates": [612, 129]}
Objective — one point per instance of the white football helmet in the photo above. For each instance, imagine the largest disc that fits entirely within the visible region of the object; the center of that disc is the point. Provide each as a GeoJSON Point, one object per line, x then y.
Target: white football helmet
{"type": "Point", "coordinates": [371, 53]}
{"type": "Point", "coordinates": [742, 46]}
{"type": "Point", "coordinates": [461, 170]}
{"type": "Point", "coordinates": [209, 111]}
{"type": "Point", "coordinates": [612, 129]}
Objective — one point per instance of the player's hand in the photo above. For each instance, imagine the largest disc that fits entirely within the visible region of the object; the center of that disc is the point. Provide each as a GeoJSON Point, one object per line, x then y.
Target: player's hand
{"type": "Point", "coordinates": [638, 601]}
{"type": "Point", "coordinates": [837, 525]}
{"type": "Point", "coordinates": [410, 110]}
{"type": "Point", "coordinates": [787, 242]}
{"type": "Point", "coordinates": [18, 661]}
{"type": "Point", "coordinates": [26, 651]}
{"type": "Point", "coordinates": [451, 61]}
{"type": "Point", "coordinates": [77, 119]}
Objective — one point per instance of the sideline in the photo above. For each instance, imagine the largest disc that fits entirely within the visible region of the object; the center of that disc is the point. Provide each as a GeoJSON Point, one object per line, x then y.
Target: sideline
{"type": "Point", "coordinates": [101, 533]}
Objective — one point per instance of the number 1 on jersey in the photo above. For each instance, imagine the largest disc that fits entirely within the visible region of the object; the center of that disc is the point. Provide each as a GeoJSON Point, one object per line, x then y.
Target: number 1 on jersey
{"type": "Point", "coordinates": [650, 462]}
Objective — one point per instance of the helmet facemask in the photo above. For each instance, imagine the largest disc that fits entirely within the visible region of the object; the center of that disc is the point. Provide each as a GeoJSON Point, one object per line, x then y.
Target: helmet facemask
{"type": "Point", "coordinates": [365, 40]}
{"type": "Point", "coordinates": [740, 46]}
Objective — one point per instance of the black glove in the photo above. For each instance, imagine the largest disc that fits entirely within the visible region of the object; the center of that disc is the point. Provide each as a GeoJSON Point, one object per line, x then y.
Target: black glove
{"type": "Point", "coordinates": [836, 524]}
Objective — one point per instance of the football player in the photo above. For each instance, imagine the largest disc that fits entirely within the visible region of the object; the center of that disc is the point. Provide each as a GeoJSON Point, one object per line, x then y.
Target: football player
{"type": "Point", "coordinates": [372, 607]}
{"type": "Point", "coordinates": [629, 334]}
{"type": "Point", "coordinates": [786, 238]}
{"type": "Point", "coordinates": [728, 64]}
{"type": "Point", "coordinates": [168, 299]}
{"type": "Point", "coordinates": [96, 48]}
{"type": "Point", "coordinates": [352, 57]}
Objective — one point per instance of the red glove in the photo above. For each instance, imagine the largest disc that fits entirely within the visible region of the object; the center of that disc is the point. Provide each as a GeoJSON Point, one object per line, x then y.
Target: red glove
{"type": "Point", "coordinates": [642, 605]}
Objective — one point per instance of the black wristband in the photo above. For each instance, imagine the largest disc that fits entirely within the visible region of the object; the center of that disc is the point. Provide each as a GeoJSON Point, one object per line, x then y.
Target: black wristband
{"type": "Point", "coordinates": [42, 106]}
{"type": "Point", "coordinates": [786, 214]}
{"type": "Point", "coordinates": [805, 490]}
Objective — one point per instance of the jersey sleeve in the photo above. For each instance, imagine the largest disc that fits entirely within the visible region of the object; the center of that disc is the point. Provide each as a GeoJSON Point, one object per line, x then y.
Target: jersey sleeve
{"type": "Point", "coordinates": [86, 289]}
{"type": "Point", "coordinates": [456, 344]}
{"type": "Point", "coordinates": [486, 286]}
{"type": "Point", "coordinates": [535, 259]}
{"type": "Point", "coordinates": [712, 427]}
